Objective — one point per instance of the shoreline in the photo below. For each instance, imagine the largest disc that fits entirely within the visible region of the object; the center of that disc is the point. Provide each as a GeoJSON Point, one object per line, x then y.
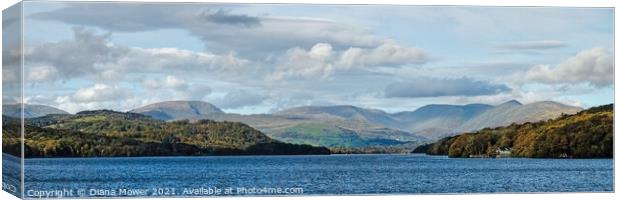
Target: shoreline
{"type": "Point", "coordinates": [297, 155]}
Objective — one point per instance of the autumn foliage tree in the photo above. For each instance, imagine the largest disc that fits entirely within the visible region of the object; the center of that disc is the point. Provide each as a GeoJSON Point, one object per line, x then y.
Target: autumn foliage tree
{"type": "Point", "coordinates": [587, 134]}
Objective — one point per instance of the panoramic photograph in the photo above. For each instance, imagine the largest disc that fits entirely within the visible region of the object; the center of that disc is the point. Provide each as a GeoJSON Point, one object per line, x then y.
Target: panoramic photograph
{"type": "Point", "coordinates": [138, 99]}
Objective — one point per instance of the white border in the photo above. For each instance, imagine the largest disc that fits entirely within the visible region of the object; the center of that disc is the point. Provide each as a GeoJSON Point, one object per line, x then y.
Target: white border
{"type": "Point", "coordinates": [563, 3]}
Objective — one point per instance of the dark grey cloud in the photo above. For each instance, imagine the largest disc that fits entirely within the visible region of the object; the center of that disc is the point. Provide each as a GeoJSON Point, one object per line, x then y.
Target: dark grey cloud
{"type": "Point", "coordinates": [224, 17]}
{"type": "Point", "coordinates": [533, 45]}
{"type": "Point", "coordinates": [11, 19]}
{"type": "Point", "coordinates": [275, 36]}
{"type": "Point", "coordinates": [11, 66]}
{"type": "Point", "coordinates": [11, 47]}
{"type": "Point", "coordinates": [144, 17]}
{"type": "Point", "coordinates": [434, 87]}
{"type": "Point", "coordinates": [116, 17]}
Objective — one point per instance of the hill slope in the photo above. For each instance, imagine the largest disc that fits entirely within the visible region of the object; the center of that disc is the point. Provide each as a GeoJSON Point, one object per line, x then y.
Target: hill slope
{"type": "Point", "coordinates": [515, 112]}
{"type": "Point", "coordinates": [175, 110]}
{"type": "Point", "coordinates": [345, 112]}
{"type": "Point", "coordinates": [433, 121]}
{"type": "Point", "coordinates": [109, 133]}
{"type": "Point", "coordinates": [586, 134]}
{"type": "Point", "coordinates": [30, 110]}
{"type": "Point", "coordinates": [329, 132]}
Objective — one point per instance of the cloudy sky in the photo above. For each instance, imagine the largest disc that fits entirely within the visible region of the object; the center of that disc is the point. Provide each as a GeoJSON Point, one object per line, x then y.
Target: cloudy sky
{"type": "Point", "coordinates": [248, 58]}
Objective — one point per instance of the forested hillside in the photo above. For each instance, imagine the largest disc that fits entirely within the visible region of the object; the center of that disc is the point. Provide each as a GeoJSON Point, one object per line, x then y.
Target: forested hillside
{"type": "Point", "coordinates": [587, 134]}
{"type": "Point", "coordinates": [109, 133]}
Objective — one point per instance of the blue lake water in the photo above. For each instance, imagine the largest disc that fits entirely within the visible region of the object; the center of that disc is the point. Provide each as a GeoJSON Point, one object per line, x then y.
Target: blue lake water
{"type": "Point", "coordinates": [315, 175]}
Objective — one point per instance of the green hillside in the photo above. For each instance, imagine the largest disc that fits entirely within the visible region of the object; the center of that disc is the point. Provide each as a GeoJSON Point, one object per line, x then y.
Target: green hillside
{"type": "Point", "coordinates": [587, 134]}
{"type": "Point", "coordinates": [331, 136]}
{"type": "Point", "coordinates": [109, 133]}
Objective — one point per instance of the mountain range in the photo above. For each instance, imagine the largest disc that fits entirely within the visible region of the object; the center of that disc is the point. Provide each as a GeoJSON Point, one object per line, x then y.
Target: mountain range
{"type": "Point", "coordinates": [435, 120]}
{"type": "Point", "coordinates": [351, 126]}
{"type": "Point", "coordinates": [347, 126]}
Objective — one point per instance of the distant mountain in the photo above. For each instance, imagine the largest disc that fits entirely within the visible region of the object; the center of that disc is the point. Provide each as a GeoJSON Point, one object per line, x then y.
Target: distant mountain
{"type": "Point", "coordinates": [515, 112]}
{"type": "Point", "coordinates": [109, 133]}
{"type": "Point", "coordinates": [350, 126]}
{"type": "Point", "coordinates": [435, 120]}
{"type": "Point", "coordinates": [342, 126]}
{"type": "Point", "coordinates": [333, 135]}
{"type": "Point", "coordinates": [345, 112]}
{"type": "Point", "coordinates": [30, 110]}
{"type": "Point", "coordinates": [174, 110]}
{"type": "Point", "coordinates": [329, 131]}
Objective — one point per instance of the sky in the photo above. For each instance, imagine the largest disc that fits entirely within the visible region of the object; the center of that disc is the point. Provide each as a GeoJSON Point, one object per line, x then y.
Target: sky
{"type": "Point", "coordinates": [261, 58]}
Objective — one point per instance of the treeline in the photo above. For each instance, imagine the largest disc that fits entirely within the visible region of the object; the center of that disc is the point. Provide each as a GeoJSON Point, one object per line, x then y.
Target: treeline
{"type": "Point", "coordinates": [402, 147]}
{"type": "Point", "coordinates": [111, 134]}
{"type": "Point", "coordinates": [11, 136]}
{"type": "Point", "coordinates": [587, 134]}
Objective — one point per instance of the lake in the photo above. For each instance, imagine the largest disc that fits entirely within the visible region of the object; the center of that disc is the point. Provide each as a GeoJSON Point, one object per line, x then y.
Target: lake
{"type": "Point", "coordinates": [309, 175]}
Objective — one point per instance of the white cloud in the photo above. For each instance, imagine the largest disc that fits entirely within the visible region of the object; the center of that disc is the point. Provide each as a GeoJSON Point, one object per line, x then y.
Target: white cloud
{"type": "Point", "coordinates": [76, 57]}
{"type": "Point", "coordinates": [594, 66]}
{"type": "Point", "coordinates": [93, 56]}
{"type": "Point", "coordinates": [38, 99]}
{"type": "Point", "coordinates": [179, 60]}
{"type": "Point", "coordinates": [41, 73]}
{"type": "Point", "coordinates": [176, 83]}
{"type": "Point", "coordinates": [322, 60]}
{"type": "Point", "coordinates": [302, 63]}
{"type": "Point", "coordinates": [69, 104]}
{"type": "Point", "coordinates": [175, 88]}
{"type": "Point", "coordinates": [151, 84]}
{"type": "Point", "coordinates": [11, 76]}
{"type": "Point", "coordinates": [239, 99]}
{"type": "Point", "coordinates": [389, 53]}
{"type": "Point", "coordinates": [100, 93]}
{"type": "Point", "coordinates": [197, 92]}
